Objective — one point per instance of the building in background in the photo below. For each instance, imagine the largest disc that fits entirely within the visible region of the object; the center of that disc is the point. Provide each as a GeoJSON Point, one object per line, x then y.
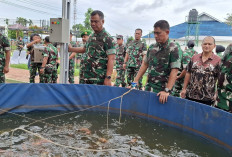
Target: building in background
{"type": "Point", "coordinates": [208, 26]}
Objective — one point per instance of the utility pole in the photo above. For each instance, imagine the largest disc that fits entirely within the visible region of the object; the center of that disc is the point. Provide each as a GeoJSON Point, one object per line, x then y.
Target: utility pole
{"type": "Point", "coordinates": [64, 56]}
{"type": "Point", "coordinates": [75, 12]}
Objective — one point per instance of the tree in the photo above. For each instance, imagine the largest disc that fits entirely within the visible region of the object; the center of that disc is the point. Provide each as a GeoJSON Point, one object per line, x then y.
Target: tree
{"type": "Point", "coordinates": [7, 21]}
{"type": "Point", "coordinates": [87, 19]}
{"type": "Point", "coordinates": [129, 39]}
{"type": "Point", "coordinates": [35, 29]}
{"type": "Point", "coordinates": [229, 19]}
{"type": "Point", "coordinates": [80, 27]}
{"type": "Point", "coordinates": [30, 22]}
{"type": "Point", "coordinates": [22, 21]}
{"type": "Point", "coordinates": [13, 34]}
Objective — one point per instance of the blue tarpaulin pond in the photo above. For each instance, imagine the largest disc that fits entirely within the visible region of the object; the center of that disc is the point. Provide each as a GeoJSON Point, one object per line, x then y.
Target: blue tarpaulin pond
{"type": "Point", "coordinates": [199, 119]}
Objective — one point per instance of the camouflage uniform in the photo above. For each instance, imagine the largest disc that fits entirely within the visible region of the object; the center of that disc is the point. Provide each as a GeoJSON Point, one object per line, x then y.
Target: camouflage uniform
{"type": "Point", "coordinates": [50, 68]}
{"type": "Point", "coordinates": [4, 46]}
{"type": "Point", "coordinates": [18, 44]}
{"type": "Point", "coordinates": [34, 67]}
{"type": "Point", "coordinates": [220, 54]}
{"type": "Point", "coordinates": [224, 100]}
{"type": "Point", "coordinates": [94, 62]}
{"type": "Point", "coordinates": [161, 59]}
{"type": "Point", "coordinates": [71, 64]}
{"type": "Point", "coordinates": [120, 55]}
{"type": "Point", "coordinates": [135, 50]}
{"type": "Point", "coordinates": [80, 44]}
{"type": "Point", "coordinates": [186, 57]}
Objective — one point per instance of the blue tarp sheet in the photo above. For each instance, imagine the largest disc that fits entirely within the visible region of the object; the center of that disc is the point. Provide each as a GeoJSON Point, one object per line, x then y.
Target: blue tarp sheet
{"type": "Point", "coordinates": [199, 119]}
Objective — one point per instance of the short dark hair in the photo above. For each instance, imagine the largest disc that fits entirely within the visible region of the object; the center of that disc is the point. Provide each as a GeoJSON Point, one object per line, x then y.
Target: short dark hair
{"type": "Point", "coordinates": [162, 24]}
{"type": "Point", "coordinates": [98, 12]}
{"type": "Point", "coordinates": [209, 37]}
{"type": "Point", "coordinates": [139, 29]}
{"type": "Point", "coordinates": [32, 35]}
{"type": "Point", "coordinates": [190, 44]}
{"type": "Point", "coordinates": [47, 39]}
{"type": "Point", "coordinates": [220, 48]}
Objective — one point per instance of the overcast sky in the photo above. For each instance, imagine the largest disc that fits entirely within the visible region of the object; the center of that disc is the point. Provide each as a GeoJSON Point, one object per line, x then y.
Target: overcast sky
{"type": "Point", "coordinates": [121, 16]}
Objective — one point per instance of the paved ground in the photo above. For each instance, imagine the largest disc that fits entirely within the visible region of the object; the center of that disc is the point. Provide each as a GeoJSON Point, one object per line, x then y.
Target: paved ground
{"type": "Point", "coordinates": [23, 76]}
{"type": "Point", "coordinates": [16, 59]}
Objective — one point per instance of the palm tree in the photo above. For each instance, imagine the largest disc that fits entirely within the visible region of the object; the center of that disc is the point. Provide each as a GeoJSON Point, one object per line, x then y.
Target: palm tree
{"type": "Point", "coordinates": [22, 21]}
{"type": "Point", "coordinates": [30, 22]}
{"type": "Point", "coordinates": [7, 21]}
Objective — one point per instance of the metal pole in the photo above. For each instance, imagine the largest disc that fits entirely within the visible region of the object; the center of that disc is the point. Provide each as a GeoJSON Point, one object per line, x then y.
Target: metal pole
{"type": "Point", "coordinates": [64, 55]}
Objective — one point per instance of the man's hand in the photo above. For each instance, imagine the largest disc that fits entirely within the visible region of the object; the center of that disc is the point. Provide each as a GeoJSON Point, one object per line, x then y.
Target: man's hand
{"type": "Point", "coordinates": [41, 70]}
{"type": "Point", "coordinates": [183, 93]}
{"type": "Point", "coordinates": [163, 97]}
{"type": "Point", "coordinates": [124, 66]}
{"type": "Point", "coordinates": [6, 69]}
{"type": "Point", "coordinates": [38, 40]}
{"type": "Point", "coordinates": [107, 82]}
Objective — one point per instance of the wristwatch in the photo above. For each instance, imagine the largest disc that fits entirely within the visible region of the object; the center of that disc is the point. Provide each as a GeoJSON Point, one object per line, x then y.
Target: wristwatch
{"type": "Point", "coordinates": [167, 90]}
{"type": "Point", "coordinates": [108, 77]}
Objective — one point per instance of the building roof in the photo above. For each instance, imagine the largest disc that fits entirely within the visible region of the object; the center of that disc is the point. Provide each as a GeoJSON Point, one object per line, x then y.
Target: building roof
{"type": "Point", "coordinates": [208, 26]}
{"type": "Point", "coordinates": [206, 17]}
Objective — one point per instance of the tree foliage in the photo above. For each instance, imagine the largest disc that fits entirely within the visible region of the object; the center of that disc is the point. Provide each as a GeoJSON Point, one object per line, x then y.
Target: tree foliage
{"type": "Point", "coordinates": [229, 19]}
{"type": "Point", "coordinates": [83, 27]}
{"type": "Point", "coordinates": [14, 34]}
{"type": "Point", "coordinates": [21, 21]}
{"type": "Point", "coordinates": [129, 39]}
{"type": "Point", "coordinates": [24, 21]}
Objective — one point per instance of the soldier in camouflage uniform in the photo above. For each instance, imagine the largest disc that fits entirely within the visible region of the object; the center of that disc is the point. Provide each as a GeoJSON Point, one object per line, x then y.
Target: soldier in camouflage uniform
{"type": "Point", "coordinates": [34, 39]}
{"type": "Point", "coordinates": [54, 72]}
{"type": "Point", "coordinates": [219, 50]}
{"type": "Point", "coordinates": [50, 56]}
{"type": "Point", "coordinates": [20, 44]}
{"type": "Point", "coordinates": [85, 37]}
{"type": "Point", "coordinates": [120, 55]}
{"type": "Point", "coordinates": [162, 61]}
{"type": "Point", "coordinates": [134, 57]}
{"type": "Point", "coordinates": [4, 58]}
{"type": "Point", "coordinates": [99, 53]}
{"type": "Point", "coordinates": [71, 61]}
{"type": "Point", "coordinates": [224, 99]}
{"type": "Point", "coordinates": [186, 57]}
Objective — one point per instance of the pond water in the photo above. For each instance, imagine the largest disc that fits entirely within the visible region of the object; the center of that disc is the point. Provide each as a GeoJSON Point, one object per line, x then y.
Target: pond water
{"type": "Point", "coordinates": [86, 134]}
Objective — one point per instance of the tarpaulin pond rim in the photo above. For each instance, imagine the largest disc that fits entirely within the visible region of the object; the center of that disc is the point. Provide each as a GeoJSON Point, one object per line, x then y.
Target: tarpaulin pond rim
{"type": "Point", "coordinates": [202, 120]}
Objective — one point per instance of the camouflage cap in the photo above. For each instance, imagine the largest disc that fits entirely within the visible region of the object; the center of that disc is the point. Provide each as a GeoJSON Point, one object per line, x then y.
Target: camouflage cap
{"type": "Point", "coordinates": [87, 32]}
{"type": "Point", "coordinates": [119, 37]}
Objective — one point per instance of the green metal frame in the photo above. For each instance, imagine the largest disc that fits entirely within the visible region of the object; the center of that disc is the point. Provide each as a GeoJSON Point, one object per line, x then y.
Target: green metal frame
{"type": "Point", "coordinates": [192, 26]}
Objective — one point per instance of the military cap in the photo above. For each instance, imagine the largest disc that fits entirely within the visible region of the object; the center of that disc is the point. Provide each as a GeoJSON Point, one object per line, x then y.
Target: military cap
{"type": "Point", "coordinates": [87, 32]}
{"type": "Point", "coordinates": [119, 37]}
{"type": "Point", "coordinates": [220, 48]}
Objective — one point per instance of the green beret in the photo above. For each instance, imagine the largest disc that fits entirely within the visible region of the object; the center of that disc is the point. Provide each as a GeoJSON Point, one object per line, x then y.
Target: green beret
{"type": "Point", "coordinates": [87, 32]}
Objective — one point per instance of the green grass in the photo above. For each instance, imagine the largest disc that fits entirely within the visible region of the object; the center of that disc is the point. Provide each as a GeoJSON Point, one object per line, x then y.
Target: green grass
{"type": "Point", "coordinates": [13, 81]}
{"type": "Point", "coordinates": [76, 72]}
{"type": "Point", "coordinates": [24, 66]}
{"type": "Point", "coordinates": [19, 66]}
{"type": "Point", "coordinates": [144, 81]}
